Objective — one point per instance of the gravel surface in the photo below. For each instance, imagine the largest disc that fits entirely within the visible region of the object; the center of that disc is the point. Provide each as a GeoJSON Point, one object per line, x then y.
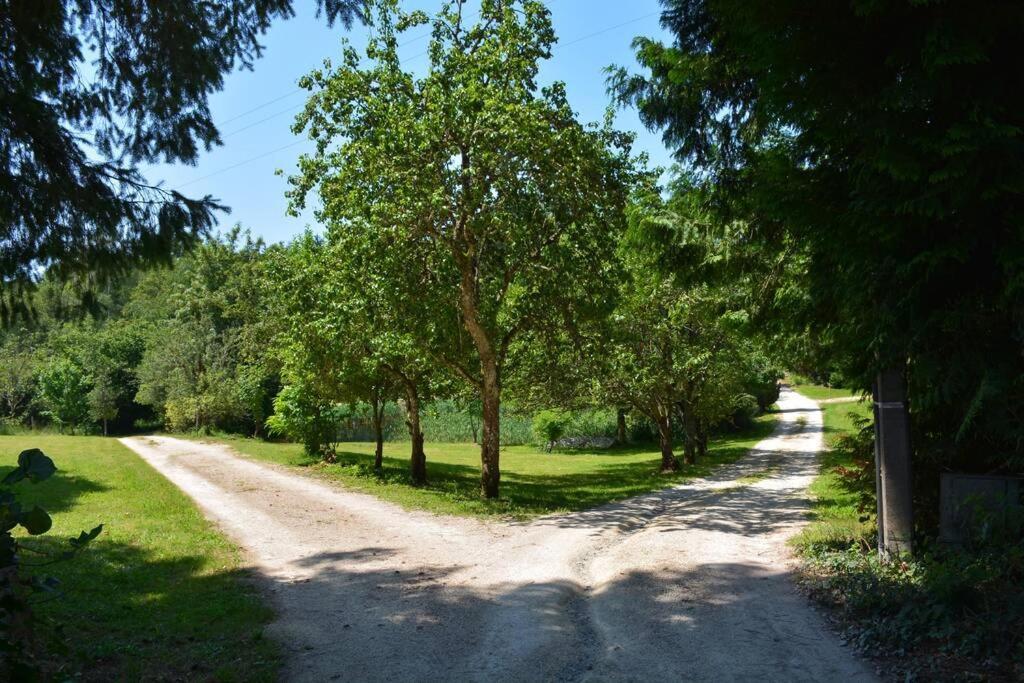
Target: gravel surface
{"type": "Point", "coordinates": [687, 583]}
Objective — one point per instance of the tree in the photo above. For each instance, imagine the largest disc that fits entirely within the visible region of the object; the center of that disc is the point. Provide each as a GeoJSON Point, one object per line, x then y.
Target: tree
{"type": "Point", "coordinates": [342, 335]}
{"type": "Point", "coordinates": [205, 361]}
{"type": "Point", "coordinates": [665, 351]}
{"type": "Point", "coordinates": [18, 374]}
{"type": "Point", "coordinates": [501, 207]}
{"type": "Point", "coordinates": [103, 404]}
{"type": "Point", "coordinates": [88, 90]}
{"type": "Point", "coordinates": [91, 89]}
{"type": "Point", "coordinates": [64, 389]}
{"type": "Point", "coordinates": [885, 139]}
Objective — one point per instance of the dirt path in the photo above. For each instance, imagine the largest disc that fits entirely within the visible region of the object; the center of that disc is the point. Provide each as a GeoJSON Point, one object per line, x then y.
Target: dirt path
{"type": "Point", "coordinates": [688, 583]}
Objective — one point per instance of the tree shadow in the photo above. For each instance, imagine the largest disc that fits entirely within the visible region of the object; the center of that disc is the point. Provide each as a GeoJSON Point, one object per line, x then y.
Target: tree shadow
{"type": "Point", "coordinates": [532, 494]}
{"type": "Point", "coordinates": [126, 613]}
{"type": "Point", "coordinates": [371, 621]}
{"type": "Point", "coordinates": [56, 494]}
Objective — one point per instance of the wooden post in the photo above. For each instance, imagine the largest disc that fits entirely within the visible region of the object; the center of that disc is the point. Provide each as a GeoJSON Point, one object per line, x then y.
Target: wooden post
{"type": "Point", "coordinates": [893, 475]}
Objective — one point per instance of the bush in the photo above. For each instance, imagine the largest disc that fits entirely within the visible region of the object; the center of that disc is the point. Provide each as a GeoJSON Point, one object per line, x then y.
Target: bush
{"type": "Point", "coordinates": [595, 423]}
{"type": "Point", "coordinates": [858, 448]}
{"type": "Point", "coordinates": [745, 409]}
{"type": "Point", "coordinates": [549, 426]}
{"type": "Point", "coordinates": [965, 604]}
{"type": "Point", "coordinates": [301, 416]}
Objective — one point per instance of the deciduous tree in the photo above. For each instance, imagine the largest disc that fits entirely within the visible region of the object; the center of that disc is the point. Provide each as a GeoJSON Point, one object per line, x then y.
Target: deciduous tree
{"type": "Point", "coordinates": [499, 202]}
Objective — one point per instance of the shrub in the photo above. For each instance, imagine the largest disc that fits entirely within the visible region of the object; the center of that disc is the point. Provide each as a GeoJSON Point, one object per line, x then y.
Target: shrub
{"type": "Point", "coordinates": [963, 603]}
{"type": "Point", "coordinates": [745, 409]}
{"type": "Point", "coordinates": [549, 426]}
{"type": "Point", "coordinates": [301, 416]}
{"type": "Point", "coordinates": [763, 385]}
{"type": "Point", "coordinates": [590, 424]}
{"type": "Point", "coordinates": [858, 448]}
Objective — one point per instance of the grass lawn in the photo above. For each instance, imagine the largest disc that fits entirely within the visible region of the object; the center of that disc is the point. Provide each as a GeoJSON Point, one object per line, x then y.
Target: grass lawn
{"type": "Point", "coordinates": [532, 482]}
{"type": "Point", "coordinates": [819, 393]}
{"type": "Point", "coordinates": [160, 594]}
{"type": "Point", "coordinates": [835, 519]}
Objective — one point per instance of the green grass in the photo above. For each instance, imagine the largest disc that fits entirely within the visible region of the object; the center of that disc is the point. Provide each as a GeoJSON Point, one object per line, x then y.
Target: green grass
{"type": "Point", "coordinates": [834, 514]}
{"type": "Point", "coordinates": [819, 393]}
{"type": "Point", "coordinates": [160, 595]}
{"type": "Point", "coordinates": [532, 482]}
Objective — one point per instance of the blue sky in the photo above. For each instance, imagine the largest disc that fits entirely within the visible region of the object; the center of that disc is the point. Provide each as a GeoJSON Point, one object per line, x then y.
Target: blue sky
{"type": "Point", "coordinates": [256, 108]}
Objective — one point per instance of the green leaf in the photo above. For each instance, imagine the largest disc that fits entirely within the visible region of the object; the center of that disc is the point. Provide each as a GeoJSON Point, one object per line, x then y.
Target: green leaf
{"type": "Point", "coordinates": [36, 521]}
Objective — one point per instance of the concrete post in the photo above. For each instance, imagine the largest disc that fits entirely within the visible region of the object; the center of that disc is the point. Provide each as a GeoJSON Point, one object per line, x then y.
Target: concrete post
{"type": "Point", "coordinates": [892, 464]}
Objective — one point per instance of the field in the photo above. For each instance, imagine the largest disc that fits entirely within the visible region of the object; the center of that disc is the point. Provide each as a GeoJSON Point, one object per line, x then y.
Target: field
{"type": "Point", "coordinates": [533, 482]}
{"type": "Point", "coordinates": [159, 591]}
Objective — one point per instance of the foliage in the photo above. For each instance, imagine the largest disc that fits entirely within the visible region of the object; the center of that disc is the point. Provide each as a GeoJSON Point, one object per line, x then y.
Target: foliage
{"type": "Point", "coordinates": [946, 613]}
{"type": "Point", "coordinates": [18, 374]}
{"type": "Point", "coordinates": [73, 200]}
{"type": "Point", "coordinates": [874, 151]}
{"type": "Point", "coordinates": [964, 604]}
{"type": "Point", "coordinates": [549, 426]}
{"type": "Point", "coordinates": [744, 409]}
{"type": "Point", "coordinates": [301, 415]}
{"type": "Point", "coordinates": [63, 392]}
{"type": "Point", "coordinates": [489, 208]}
{"type": "Point", "coordinates": [103, 402]}
{"type": "Point", "coordinates": [20, 660]}
{"type": "Point", "coordinates": [205, 363]}
{"type": "Point", "coordinates": [858, 448]}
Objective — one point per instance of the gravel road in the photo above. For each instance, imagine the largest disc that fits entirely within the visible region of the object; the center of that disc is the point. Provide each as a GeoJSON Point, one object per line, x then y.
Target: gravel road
{"type": "Point", "coordinates": [688, 583]}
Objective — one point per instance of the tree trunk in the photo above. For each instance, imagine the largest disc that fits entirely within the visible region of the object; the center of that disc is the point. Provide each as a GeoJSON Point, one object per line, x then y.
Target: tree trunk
{"type": "Point", "coordinates": [689, 438]}
{"type": "Point", "coordinates": [104, 426]}
{"type": "Point", "coordinates": [417, 458]}
{"type": "Point", "coordinates": [669, 463]}
{"type": "Point", "coordinates": [490, 444]}
{"type": "Point", "coordinates": [620, 427]}
{"type": "Point", "coordinates": [378, 431]}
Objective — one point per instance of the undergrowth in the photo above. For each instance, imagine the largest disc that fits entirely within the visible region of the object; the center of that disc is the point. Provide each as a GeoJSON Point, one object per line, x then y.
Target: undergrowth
{"type": "Point", "coordinates": [948, 613]}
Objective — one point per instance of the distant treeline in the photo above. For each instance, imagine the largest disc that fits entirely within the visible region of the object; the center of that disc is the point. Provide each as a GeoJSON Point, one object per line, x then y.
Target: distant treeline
{"type": "Point", "coordinates": [199, 347]}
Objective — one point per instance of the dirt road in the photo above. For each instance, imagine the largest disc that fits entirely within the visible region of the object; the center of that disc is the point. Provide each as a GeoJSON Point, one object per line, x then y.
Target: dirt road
{"type": "Point", "coordinates": [688, 583]}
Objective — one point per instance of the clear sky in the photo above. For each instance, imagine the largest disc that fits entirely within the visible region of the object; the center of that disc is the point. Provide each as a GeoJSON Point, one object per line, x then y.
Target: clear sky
{"type": "Point", "coordinates": [256, 108]}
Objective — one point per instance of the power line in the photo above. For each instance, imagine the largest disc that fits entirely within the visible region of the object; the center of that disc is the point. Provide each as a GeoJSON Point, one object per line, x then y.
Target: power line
{"type": "Point", "coordinates": [264, 120]}
{"type": "Point", "coordinates": [240, 163]}
{"type": "Point", "coordinates": [261, 106]}
{"type": "Point", "coordinates": [603, 31]}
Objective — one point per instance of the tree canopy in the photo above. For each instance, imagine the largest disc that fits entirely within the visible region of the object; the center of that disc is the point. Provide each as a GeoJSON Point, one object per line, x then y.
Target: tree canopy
{"type": "Point", "coordinates": [881, 145]}
{"type": "Point", "coordinates": [88, 90]}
